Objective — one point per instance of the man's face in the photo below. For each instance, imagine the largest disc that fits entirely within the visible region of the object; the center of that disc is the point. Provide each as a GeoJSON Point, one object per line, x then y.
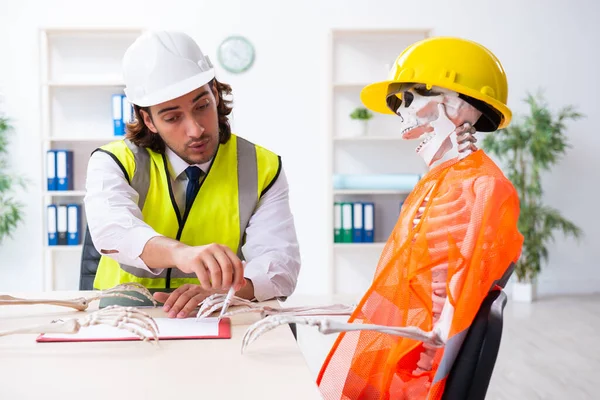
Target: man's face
{"type": "Point", "coordinates": [189, 124]}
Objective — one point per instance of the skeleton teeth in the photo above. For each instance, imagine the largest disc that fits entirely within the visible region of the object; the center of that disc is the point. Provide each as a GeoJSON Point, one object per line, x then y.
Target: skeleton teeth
{"type": "Point", "coordinates": [425, 141]}
{"type": "Point", "coordinates": [407, 129]}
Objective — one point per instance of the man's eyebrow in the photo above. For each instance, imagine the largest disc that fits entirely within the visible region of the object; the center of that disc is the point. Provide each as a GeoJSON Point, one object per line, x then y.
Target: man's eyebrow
{"type": "Point", "coordinates": [199, 96]}
{"type": "Point", "coordinates": [164, 110]}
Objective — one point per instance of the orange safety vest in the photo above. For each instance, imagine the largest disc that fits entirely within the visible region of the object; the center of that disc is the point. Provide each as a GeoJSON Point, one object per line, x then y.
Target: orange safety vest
{"type": "Point", "coordinates": [470, 225]}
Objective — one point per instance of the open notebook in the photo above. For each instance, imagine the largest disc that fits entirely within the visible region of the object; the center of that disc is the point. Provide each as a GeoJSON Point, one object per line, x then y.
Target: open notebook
{"type": "Point", "coordinates": [169, 329]}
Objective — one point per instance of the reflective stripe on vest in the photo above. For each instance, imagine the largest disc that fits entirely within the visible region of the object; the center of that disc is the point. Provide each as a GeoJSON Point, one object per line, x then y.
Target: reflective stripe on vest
{"type": "Point", "coordinates": [255, 173]}
{"type": "Point", "coordinates": [140, 182]}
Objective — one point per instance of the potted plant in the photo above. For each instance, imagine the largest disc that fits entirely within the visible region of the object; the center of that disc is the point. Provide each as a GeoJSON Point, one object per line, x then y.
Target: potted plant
{"type": "Point", "coordinates": [364, 115]}
{"type": "Point", "coordinates": [11, 210]}
{"type": "Point", "coordinates": [527, 147]}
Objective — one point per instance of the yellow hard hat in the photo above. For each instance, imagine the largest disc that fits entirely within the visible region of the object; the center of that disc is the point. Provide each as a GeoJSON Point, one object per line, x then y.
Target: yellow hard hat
{"type": "Point", "coordinates": [456, 64]}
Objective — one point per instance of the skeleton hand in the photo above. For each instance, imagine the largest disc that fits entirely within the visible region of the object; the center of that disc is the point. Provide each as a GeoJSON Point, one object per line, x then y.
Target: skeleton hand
{"type": "Point", "coordinates": [82, 303]}
{"type": "Point", "coordinates": [215, 302]}
{"type": "Point", "coordinates": [327, 326]}
{"type": "Point", "coordinates": [127, 318]}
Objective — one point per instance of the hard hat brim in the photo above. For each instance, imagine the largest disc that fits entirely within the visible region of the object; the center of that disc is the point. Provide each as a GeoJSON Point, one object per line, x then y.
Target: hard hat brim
{"type": "Point", "coordinates": [173, 91]}
{"type": "Point", "coordinates": [374, 97]}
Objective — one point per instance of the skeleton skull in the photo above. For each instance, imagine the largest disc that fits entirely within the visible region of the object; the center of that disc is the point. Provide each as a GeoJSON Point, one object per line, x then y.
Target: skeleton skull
{"type": "Point", "coordinates": [434, 112]}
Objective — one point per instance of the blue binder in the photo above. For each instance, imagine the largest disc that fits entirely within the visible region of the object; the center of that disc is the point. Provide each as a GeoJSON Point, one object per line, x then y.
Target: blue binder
{"type": "Point", "coordinates": [64, 169]}
{"type": "Point", "coordinates": [128, 113]}
{"type": "Point", "coordinates": [51, 218]}
{"type": "Point", "coordinates": [51, 170]}
{"type": "Point", "coordinates": [73, 224]}
{"type": "Point", "coordinates": [369, 222]}
{"type": "Point", "coordinates": [117, 115]}
{"type": "Point", "coordinates": [358, 223]}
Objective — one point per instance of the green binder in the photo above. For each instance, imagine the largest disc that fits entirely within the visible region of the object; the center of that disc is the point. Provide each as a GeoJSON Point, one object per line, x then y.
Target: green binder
{"type": "Point", "coordinates": [337, 222]}
{"type": "Point", "coordinates": [347, 220]}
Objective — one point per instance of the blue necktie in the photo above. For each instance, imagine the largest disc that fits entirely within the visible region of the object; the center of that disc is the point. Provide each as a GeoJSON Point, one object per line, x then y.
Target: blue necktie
{"type": "Point", "coordinates": [193, 174]}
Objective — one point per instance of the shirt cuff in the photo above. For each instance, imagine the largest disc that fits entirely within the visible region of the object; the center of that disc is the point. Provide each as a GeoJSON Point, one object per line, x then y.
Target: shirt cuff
{"type": "Point", "coordinates": [263, 287]}
{"type": "Point", "coordinates": [139, 237]}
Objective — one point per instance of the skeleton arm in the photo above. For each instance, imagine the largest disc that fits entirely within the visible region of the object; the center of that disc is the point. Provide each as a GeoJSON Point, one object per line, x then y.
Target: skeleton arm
{"type": "Point", "coordinates": [126, 318]}
{"type": "Point", "coordinates": [215, 302]}
{"type": "Point", "coordinates": [83, 303]}
{"type": "Point", "coordinates": [328, 326]}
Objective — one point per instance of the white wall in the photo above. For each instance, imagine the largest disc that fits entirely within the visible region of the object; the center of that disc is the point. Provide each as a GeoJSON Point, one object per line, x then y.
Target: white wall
{"type": "Point", "coordinates": [282, 102]}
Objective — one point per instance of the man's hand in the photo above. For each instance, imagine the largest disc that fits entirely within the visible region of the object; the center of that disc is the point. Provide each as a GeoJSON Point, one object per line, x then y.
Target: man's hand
{"type": "Point", "coordinates": [182, 301]}
{"type": "Point", "coordinates": [215, 265]}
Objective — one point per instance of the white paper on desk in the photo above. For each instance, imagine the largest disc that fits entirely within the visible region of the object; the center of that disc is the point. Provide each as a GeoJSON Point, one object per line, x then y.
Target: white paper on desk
{"type": "Point", "coordinates": [169, 328]}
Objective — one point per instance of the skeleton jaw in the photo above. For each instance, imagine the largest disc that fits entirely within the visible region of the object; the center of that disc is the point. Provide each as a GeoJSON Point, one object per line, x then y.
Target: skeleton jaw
{"type": "Point", "coordinates": [437, 142]}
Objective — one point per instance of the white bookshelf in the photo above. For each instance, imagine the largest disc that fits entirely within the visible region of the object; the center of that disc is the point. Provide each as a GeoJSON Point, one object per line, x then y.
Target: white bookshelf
{"type": "Point", "coordinates": [80, 71]}
{"type": "Point", "coordinates": [358, 58]}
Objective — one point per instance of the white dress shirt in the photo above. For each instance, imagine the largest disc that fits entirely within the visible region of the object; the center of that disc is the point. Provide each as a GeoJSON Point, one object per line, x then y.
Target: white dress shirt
{"type": "Point", "coordinates": [115, 222]}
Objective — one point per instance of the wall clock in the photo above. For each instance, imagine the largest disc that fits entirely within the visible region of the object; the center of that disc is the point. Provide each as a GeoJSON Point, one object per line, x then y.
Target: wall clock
{"type": "Point", "coordinates": [236, 54]}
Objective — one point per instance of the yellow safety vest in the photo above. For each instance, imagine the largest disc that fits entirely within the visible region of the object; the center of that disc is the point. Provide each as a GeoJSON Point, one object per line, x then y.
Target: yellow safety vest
{"type": "Point", "coordinates": [241, 172]}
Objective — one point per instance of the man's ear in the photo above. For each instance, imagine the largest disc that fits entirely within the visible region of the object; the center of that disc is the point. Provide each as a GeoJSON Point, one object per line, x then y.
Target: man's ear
{"type": "Point", "coordinates": [148, 121]}
{"type": "Point", "coordinates": [213, 88]}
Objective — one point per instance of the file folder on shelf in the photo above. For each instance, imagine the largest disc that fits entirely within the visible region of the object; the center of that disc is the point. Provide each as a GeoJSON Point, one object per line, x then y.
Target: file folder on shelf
{"type": "Point", "coordinates": [51, 170]}
{"type": "Point", "coordinates": [347, 222]}
{"type": "Point", "coordinates": [61, 224]}
{"type": "Point", "coordinates": [73, 224]}
{"type": "Point", "coordinates": [64, 169]}
{"type": "Point", "coordinates": [117, 115]}
{"type": "Point", "coordinates": [337, 223]}
{"type": "Point", "coordinates": [51, 225]}
{"type": "Point", "coordinates": [357, 225]}
{"type": "Point", "coordinates": [369, 222]}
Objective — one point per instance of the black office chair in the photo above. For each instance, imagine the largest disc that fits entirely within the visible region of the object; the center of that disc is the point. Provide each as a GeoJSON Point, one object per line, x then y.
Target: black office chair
{"type": "Point", "coordinates": [90, 258]}
{"type": "Point", "coordinates": [471, 373]}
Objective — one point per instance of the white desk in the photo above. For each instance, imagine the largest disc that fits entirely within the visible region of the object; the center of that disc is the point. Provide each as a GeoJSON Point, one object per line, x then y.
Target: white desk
{"type": "Point", "coordinates": [271, 368]}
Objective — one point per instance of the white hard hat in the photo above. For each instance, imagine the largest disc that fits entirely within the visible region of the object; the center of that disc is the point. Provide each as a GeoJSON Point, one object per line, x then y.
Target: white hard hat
{"type": "Point", "coordinates": [161, 66]}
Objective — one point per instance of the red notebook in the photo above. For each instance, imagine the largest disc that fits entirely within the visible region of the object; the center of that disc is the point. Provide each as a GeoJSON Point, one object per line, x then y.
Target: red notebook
{"type": "Point", "coordinates": [169, 329]}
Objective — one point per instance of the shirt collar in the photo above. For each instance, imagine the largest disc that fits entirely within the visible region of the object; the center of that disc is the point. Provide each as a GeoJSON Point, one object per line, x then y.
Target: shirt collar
{"type": "Point", "coordinates": [177, 165]}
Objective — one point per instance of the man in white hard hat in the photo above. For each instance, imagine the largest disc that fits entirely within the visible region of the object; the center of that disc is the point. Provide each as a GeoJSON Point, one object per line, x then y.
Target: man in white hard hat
{"type": "Point", "coordinates": [182, 200]}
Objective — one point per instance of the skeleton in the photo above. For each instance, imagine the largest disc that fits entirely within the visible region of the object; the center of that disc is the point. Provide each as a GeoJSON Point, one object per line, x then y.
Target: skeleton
{"type": "Point", "coordinates": [126, 318]}
{"type": "Point", "coordinates": [82, 303]}
{"type": "Point", "coordinates": [445, 122]}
